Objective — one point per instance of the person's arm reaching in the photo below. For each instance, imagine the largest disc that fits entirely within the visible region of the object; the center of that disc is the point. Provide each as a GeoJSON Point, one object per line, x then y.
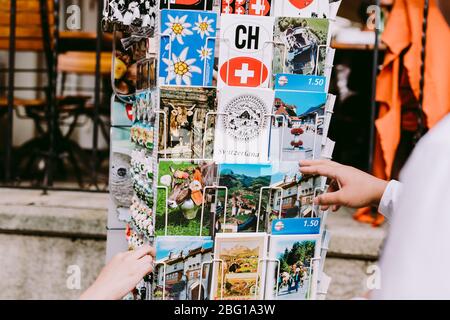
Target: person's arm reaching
{"type": "Point", "coordinates": [121, 275]}
{"type": "Point", "coordinates": [351, 187]}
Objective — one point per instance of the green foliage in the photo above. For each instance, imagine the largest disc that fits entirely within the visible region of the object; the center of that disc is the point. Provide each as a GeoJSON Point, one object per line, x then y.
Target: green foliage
{"type": "Point", "coordinates": [300, 253]}
{"type": "Point", "coordinates": [284, 267]}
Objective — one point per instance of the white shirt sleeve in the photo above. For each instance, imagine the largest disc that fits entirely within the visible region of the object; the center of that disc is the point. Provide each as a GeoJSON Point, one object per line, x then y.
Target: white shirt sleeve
{"type": "Point", "coordinates": [415, 262]}
{"type": "Point", "coordinates": [390, 199]}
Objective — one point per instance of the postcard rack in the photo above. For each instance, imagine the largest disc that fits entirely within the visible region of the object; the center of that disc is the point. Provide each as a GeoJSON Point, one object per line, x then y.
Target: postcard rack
{"type": "Point", "coordinates": [160, 111]}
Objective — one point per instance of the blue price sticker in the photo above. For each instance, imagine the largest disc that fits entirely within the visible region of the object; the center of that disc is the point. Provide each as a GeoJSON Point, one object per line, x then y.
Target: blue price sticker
{"type": "Point", "coordinates": [299, 82]}
{"type": "Point", "coordinates": [296, 226]}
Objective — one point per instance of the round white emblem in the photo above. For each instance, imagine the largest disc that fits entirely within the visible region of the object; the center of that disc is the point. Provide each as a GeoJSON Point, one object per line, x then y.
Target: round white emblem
{"type": "Point", "coordinates": [245, 117]}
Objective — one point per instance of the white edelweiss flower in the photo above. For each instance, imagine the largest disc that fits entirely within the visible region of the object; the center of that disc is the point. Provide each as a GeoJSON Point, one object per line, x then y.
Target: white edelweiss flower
{"type": "Point", "coordinates": [180, 68]}
{"type": "Point", "coordinates": [178, 28]}
{"type": "Point", "coordinates": [203, 26]}
{"type": "Point", "coordinates": [205, 53]}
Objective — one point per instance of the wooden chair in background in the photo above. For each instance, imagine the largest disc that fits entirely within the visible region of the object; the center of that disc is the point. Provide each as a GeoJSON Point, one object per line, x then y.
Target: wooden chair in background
{"type": "Point", "coordinates": [31, 158]}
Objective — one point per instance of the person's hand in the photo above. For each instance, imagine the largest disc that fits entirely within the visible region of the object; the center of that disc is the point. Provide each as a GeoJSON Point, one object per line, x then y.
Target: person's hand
{"type": "Point", "coordinates": [350, 187]}
{"type": "Point", "coordinates": [121, 275]}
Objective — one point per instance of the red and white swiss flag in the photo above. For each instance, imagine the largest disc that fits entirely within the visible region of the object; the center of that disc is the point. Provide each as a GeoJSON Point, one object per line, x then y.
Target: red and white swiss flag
{"type": "Point", "coordinates": [259, 7]}
{"type": "Point", "coordinates": [129, 111]}
{"type": "Point", "coordinates": [244, 72]}
{"type": "Point", "coordinates": [251, 7]}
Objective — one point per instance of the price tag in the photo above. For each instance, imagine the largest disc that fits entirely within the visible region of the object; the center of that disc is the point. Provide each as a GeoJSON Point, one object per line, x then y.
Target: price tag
{"type": "Point", "coordinates": [299, 82]}
{"type": "Point", "coordinates": [296, 226]}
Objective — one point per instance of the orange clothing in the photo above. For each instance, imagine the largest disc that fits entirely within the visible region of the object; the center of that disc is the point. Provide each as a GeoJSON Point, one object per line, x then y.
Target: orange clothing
{"type": "Point", "coordinates": [403, 34]}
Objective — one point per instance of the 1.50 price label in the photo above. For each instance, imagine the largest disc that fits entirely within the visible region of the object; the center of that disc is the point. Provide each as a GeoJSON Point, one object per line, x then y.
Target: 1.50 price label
{"type": "Point", "coordinates": [296, 226]}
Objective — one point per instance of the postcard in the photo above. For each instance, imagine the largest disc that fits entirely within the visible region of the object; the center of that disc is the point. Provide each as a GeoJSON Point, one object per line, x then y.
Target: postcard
{"type": "Point", "coordinates": [146, 72]}
{"type": "Point", "coordinates": [285, 187]}
{"type": "Point", "coordinates": [243, 125]}
{"type": "Point", "coordinates": [247, 199]}
{"type": "Point", "coordinates": [187, 4]}
{"type": "Point", "coordinates": [295, 276]}
{"type": "Point", "coordinates": [292, 194]}
{"type": "Point", "coordinates": [240, 273]}
{"type": "Point", "coordinates": [144, 106]}
{"type": "Point", "coordinates": [125, 64]}
{"type": "Point", "coordinates": [302, 8]}
{"type": "Point", "coordinates": [121, 113]}
{"type": "Point", "coordinates": [246, 51]}
{"type": "Point", "coordinates": [140, 15]}
{"type": "Point", "coordinates": [143, 134]}
{"type": "Point", "coordinates": [182, 268]}
{"type": "Point", "coordinates": [248, 7]}
{"type": "Point", "coordinates": [181, 191]}
{"type": "Point", "coordinates": [187, 47]}
{"type": "Point", "coordinates": [142, 217]}
{"type": "Point", "coordinates": [300, 45]}
{"type": "Point", "coordinates": [297, 137]}
{"type": "Point", "coordinates": [120, 180]}
{"type": "Point", "coordinates": [186, 112]}
{"type": "Point", "coordinates": [143, 171]}
{"type": "Point", "coordinates": [310, 187]}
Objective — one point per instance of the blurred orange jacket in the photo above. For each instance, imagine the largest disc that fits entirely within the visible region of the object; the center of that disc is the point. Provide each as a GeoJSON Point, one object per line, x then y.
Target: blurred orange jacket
{"type": "Point", "coordinates": [403, 34]}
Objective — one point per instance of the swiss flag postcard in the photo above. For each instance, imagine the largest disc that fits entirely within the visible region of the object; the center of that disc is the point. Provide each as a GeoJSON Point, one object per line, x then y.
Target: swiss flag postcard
{"type": "Point", "coordinates": [302, 8]}
{"type": "Point", "coordinates": [246, 51]}
{"type": "Point", "coordinates": [249, 7]}
{"type": "Point", "coordinates": [243, 125]}
{"type": "Point", "coordinates": [187, 47]}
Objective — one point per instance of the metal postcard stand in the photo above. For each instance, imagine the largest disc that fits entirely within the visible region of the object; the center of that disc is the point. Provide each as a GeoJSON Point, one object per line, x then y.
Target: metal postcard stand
{"type": "Point", "coordinates": [267, 261]}
{"type": "Point", "coordinates": [263, 262]}
{"type": "Point", "coordinates": [212, 261]}
{"type": "Point", "coordinates": [313, 277]}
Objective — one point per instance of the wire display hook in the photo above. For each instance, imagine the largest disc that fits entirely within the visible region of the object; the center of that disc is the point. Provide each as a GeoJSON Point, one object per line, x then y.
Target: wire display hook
{"type": "Point", "coordinates": [212, 261]}
{"type": "Point", "coordinates": [277, 261]}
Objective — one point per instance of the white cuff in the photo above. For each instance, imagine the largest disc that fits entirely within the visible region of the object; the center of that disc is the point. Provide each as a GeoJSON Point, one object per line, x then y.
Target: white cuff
{"type": "Point", "coordinates": [390, 199]}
